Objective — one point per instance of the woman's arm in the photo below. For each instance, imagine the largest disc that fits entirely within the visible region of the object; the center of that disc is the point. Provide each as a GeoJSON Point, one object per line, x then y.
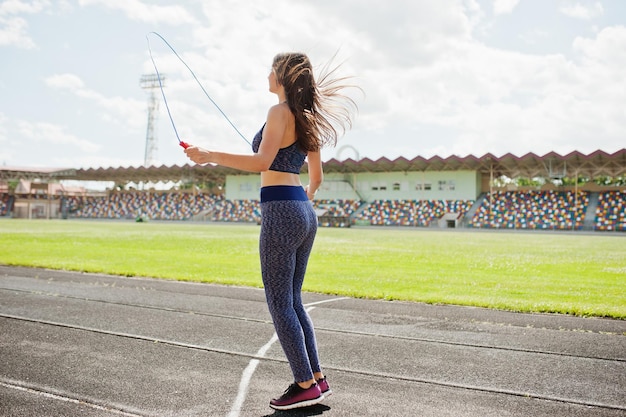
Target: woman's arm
{"type": "Point", "coordinates": [316, 173]}
{"type": "Point", "coordinates": [261, 161]}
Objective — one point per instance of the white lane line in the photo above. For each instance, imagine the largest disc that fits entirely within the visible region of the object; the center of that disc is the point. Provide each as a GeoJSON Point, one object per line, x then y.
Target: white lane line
{"type": "Point", "coordinates": [330, 300]}
{"type": "Point", "coordinates": [246, 376]}
{"type": "Point", "coordinates": [82, 402]}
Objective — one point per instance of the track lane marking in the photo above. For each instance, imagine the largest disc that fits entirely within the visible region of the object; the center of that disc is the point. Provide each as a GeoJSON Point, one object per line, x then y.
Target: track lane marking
{"type": "Point", "coordinates": [246, 377]}
{"type": "Point", "coordinates": [47, 393]}
{"type": "Point", "coordinates": [341, 369]}
{"type": "Point", "coordinates": [328, 329]}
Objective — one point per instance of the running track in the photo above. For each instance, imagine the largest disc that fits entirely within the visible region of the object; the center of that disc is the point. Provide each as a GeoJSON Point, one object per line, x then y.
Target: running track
{"type": "Point", "coordinates": [76, 344]}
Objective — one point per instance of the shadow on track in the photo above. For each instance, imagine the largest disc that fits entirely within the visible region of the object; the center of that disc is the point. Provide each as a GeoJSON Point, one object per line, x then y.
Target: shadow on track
{"type": "Point", "coordinates": [315, 410]}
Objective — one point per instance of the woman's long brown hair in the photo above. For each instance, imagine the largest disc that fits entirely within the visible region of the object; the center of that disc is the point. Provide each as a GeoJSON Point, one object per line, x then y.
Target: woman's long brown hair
{"type": "Point", "coordinates": [320, 108]}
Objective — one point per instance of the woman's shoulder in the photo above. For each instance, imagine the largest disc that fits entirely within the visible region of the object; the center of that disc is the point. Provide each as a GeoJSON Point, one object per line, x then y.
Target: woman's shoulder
{"type": "Point", "coordinates": [279, 110]}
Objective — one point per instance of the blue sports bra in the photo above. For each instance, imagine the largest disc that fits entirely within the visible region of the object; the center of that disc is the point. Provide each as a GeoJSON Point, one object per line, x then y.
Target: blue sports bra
{"type": "Point", "coordinates": [289, 159]}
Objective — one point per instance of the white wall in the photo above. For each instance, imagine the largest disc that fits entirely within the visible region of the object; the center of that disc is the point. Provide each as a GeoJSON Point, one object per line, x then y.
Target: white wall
{"type": "Point", "coordinates": [429, 185]}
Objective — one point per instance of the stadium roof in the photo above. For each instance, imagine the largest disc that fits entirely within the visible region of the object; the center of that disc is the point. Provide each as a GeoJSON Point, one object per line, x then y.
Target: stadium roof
{"type": "Point", "coordinates": [598, 163]}
{"type": "Point", "coordinates": [8, 173]}
{"type": "Point", "coordinates": [595, 164]}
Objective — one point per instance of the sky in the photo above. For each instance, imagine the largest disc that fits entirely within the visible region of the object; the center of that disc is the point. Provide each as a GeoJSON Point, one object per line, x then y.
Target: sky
{"type": "Point", "coordinates": [435, 78]}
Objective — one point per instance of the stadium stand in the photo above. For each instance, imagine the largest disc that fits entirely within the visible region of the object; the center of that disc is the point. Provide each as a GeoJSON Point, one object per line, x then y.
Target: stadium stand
{"type": "Point", "coordinates": [183, 206]}
{"type": "Point", "coordinates": [136, 204]}
{"type": "Point", "coordinates": [337, 208]}
{"type": "Point", "coordinates": [336, 213]}
{"type": "Point", "coordinates": [611, 211]}
{"type": "Point", "coordinates": [411, 212]}
{"type": "Point", "coordinates": [236, 211]}
{"type": "Point", "coordinates": [532, 210]}
{"type": "Point", "coordinates": [554, 210]}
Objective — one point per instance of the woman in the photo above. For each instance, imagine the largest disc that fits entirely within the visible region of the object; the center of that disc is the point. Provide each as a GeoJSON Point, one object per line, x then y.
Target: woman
{"type": "Point", "coordinates": [296, 128]}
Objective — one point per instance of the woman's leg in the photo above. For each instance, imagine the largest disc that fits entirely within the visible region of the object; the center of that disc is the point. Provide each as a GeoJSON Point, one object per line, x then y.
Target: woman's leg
{"type": "Point", "coordinates": [284, 227]}
{"type": "Point", "coordinates": [302, 258]}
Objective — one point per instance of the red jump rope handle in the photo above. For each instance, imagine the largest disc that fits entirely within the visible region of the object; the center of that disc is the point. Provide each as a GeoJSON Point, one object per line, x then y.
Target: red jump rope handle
{"type": "Point", "coordinates": [184, 144]}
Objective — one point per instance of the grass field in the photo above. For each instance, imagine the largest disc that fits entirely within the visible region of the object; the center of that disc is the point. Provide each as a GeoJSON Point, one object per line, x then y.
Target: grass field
{"type": "Point", "coordinates": [572, 273]}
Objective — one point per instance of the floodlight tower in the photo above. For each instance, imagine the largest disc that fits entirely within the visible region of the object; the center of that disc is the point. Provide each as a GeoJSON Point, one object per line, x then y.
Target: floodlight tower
{"type": "Point", "coordinates": [151, 82]}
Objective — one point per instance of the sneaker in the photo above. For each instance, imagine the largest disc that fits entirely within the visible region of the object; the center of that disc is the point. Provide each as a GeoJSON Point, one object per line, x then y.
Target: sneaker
{"type": "Point", "coordinates": [324, 387]}
{"type": "Point", "coordinates": [295, 397]}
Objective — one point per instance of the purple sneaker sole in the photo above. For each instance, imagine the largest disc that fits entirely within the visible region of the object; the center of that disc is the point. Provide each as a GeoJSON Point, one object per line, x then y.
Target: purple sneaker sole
{"type": "Point", "coordinates": [296, 397]}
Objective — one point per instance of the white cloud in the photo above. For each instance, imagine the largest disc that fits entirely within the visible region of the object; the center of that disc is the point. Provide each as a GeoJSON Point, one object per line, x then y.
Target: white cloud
{"type": "Point", "coordinates": [68, 81]}
{"type": "Point", "coordinates": [584, 11]}
{"type": "Point", "coordinates": [14, 24]}
{"type": "Point", "coordinates": [474, 13]}
{"type": "Point", "coordinates": [53, 134]}
{"type": "Point", "coordinates": [9, 7]}
{"type": "Point", "coordinates": [137, 10]}
{"type": "Point", "coordinates": [13, 32]}
{"type": "Point", "coordinates": [127, 110]}
{"type": "Point", "coordinates": [14, 29]}
{"type": "Point", "coordinates": [486, 99]}
{"type": "Point", "coordinates": [504, 6]}
{"type": "Point", "coordinates": [534, 103]}
{"type": "Point", "coordinates": [603, 59]}
{"type": "Point", "coordinates": [534, 36]}
{"type": "Point", "coordinates": [608, 48]}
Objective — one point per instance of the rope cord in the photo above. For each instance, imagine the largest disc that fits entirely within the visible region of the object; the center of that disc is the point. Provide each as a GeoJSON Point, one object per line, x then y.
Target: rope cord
{"type": "Point", "coordinates": [195, 78]}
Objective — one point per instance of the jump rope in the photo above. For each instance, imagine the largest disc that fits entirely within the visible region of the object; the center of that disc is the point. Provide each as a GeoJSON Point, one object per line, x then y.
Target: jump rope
{"type": "Point", "coordinates": [185, 145]}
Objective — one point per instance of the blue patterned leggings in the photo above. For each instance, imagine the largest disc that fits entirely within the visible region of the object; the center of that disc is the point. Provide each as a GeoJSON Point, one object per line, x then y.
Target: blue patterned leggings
{"type": "Point", "coordinates": [288, 227]}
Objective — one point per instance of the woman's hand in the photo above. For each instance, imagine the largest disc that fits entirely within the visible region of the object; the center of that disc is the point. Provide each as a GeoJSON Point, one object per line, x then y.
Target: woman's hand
{"type": "Point", "coordinates": [200, 156]}
{"type": "Point", "coordinates": [310, 194]}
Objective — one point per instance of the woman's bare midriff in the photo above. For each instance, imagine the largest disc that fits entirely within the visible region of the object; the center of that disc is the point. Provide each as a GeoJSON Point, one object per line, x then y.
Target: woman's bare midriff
{"type": "Point", "coordinates": [269, 178]}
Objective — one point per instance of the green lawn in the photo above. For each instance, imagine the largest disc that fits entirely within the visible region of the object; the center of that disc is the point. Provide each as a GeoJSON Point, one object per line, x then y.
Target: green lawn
{"type": "Point", "coordinates": [573, 273]}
